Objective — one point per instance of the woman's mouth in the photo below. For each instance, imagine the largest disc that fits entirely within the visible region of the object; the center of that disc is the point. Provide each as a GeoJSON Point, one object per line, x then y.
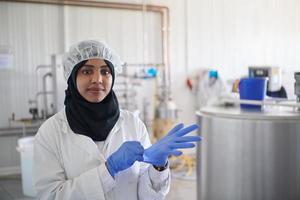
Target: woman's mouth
{"type": "Point", "coordinates": [95, 90]}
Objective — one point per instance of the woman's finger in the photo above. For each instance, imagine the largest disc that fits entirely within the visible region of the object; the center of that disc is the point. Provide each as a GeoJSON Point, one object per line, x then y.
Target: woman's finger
{"type": "Point", "coordinates": [176, 128]}
{"type": "Point", "coordinates": [187, 130]}
{"type": "Point", "coordinates": [182, 145]}
{"type": "Point", "coordinates": [188, 139]}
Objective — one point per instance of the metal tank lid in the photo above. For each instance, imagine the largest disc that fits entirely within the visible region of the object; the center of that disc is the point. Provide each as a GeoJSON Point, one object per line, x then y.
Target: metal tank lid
{"type": "Point", "coordinates": [267, 113]}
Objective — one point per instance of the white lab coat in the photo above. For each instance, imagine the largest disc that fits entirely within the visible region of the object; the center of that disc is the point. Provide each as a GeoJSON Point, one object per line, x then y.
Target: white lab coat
{"type": "Point", "coordinates": [69, 166]}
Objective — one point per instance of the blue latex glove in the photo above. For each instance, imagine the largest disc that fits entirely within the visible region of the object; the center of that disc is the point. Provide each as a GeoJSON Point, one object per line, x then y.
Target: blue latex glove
{"type": "Point", "coordinates": [158, 153]}
{"type": "Point", "coordinates": [124, 157]}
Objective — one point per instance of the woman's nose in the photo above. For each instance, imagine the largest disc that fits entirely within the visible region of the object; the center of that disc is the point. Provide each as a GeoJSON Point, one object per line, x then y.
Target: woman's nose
{"type": "Point", "coordinates": [97, 78]}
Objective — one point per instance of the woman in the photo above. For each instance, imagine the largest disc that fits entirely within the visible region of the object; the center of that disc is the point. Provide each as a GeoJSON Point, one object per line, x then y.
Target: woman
{"type": "Point", "coordinates": [92, 149]}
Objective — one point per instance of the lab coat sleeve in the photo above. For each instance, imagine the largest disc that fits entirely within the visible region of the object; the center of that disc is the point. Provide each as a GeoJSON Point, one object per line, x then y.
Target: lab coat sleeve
{"type": "Point", "coordinates": [50, 178]}
{"type": "Point", "coordinates": [152, 185]}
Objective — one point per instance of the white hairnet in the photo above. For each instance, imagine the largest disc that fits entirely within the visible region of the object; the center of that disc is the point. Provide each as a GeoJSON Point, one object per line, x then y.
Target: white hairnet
{"type": "Point", "coordinates": [89, 49]}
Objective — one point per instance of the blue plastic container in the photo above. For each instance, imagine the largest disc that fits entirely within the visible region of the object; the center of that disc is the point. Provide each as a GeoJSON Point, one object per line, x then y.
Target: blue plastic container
{"type": "Point", "coordinates": [252, 89]}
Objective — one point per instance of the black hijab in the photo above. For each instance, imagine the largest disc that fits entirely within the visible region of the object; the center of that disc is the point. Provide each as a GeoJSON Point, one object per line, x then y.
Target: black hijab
{"type": "Point", "coordinates": [94, 120]}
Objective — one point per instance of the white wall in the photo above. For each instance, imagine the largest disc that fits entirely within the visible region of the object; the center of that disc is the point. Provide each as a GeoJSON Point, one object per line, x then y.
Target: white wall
{"type": "Point", "coordinates": [228, 35]}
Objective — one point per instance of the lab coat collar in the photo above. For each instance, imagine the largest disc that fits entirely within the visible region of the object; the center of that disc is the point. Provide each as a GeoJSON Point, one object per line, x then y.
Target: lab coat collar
{"type": "Point", "coordinates": [85, 143]}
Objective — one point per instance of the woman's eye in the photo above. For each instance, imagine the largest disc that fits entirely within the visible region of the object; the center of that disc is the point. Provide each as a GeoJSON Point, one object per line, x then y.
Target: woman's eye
{"type": "Point", "coordinates": [86, 71]}
{"type": "Point", "coordinates": [104, 72]}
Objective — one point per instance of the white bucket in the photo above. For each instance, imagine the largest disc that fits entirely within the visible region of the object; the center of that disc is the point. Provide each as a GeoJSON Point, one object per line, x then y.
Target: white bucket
{"type": "Point", "coordinates": [25, 147]}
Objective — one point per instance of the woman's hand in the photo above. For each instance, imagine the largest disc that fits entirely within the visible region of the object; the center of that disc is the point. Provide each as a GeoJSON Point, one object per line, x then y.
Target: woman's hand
{"type": "Point", "coordinates": [124, 157]}
{"type": "Point", "coordinates": [158, 153]}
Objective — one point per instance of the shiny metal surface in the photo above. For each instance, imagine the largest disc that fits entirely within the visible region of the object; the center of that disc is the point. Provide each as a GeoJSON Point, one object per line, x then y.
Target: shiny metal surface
{"type": "Point", "coordinates": [248, 156]}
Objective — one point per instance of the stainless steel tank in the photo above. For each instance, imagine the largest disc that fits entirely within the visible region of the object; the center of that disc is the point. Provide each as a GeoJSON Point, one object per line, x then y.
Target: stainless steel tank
{"type": "Point", "coordinates": [248, 155]}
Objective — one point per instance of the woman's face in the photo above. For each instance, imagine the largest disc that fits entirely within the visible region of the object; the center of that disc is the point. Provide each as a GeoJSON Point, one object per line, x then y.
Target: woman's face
{"type": "Point", "coordinates": [94, 80]}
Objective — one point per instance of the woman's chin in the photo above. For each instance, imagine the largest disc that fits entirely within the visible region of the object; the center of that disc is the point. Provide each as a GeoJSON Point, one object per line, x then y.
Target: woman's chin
{"type": "Point", "coordinates": [94, 99]}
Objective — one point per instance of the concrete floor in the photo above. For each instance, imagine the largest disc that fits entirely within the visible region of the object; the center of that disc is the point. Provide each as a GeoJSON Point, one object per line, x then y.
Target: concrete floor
{"type": "Point", "coordinates": [182, 189]}
{"type": "Point", "coordinates": [11, 189]}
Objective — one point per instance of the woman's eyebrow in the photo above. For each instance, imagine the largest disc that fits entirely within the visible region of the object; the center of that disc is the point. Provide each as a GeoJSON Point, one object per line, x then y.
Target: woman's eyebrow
{"type": "Point", "coordinates": [104, 66]}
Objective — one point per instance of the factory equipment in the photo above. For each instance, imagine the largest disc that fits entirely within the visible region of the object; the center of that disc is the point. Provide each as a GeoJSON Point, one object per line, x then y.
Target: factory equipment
{"type": "Point", "coordinates": [129, 83]}
{"type": "Point", "coordinates": [248, 155]}
{"type": "Point", "coordinates": [10, 163]}
{"type": "Point", "coordinates": [49, 92]}
{"type": "Point", "coordinates": [258, 71]}
{"type": "Point", "coordinates": [130, 87]}
{"type": "Point", "coordinates": [125, 89]}
{"type": "Point", "coordinates": [165, 114]}
{"type": "Point", "coordinates": [274, 88]}
{"type": "Point", "coordinates": [165, 117]}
